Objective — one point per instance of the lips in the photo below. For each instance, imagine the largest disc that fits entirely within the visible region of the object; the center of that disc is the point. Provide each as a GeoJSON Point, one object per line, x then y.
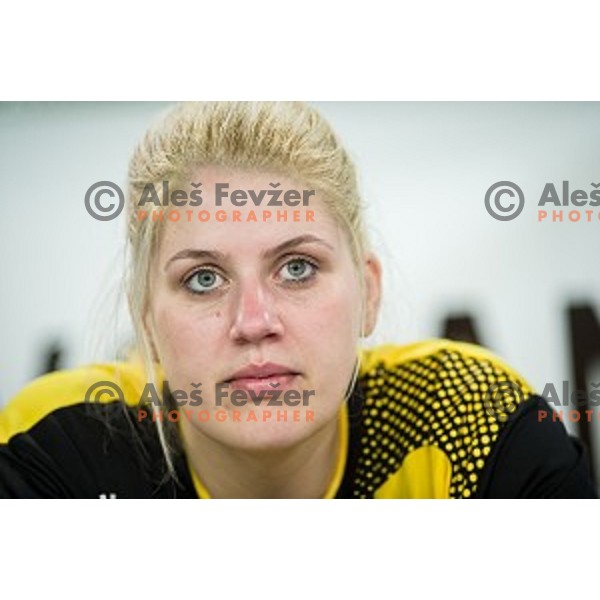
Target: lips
{"type": "Point", "coordinates": [266, 376]}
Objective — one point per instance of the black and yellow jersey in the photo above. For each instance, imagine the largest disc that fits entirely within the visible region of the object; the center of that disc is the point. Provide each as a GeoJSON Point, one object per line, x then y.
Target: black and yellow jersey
{"type": "Point", "coordinates": [433, 419]}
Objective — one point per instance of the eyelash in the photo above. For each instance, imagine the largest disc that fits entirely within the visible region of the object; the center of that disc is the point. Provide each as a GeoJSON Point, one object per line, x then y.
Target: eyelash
{"type": "Point", "coordinates": [293, 282]}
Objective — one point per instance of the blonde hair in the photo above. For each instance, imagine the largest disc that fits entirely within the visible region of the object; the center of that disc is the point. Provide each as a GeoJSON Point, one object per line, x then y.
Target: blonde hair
{"type": "Point", "coordinates": [290, 138]}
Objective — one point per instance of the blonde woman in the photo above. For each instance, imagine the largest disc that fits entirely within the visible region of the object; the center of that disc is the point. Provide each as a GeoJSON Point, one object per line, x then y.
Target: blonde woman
{"type": "Point", "coordinates": [251, 286]}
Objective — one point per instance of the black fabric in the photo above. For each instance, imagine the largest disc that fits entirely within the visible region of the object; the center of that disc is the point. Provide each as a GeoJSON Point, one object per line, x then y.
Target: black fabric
{"type": "Point", "coordinates": [90, 451]}
{"type": "Point", "coordinates": [536, 458]}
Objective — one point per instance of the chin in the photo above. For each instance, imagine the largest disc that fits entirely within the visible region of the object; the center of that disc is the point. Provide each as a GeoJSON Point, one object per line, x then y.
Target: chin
{"type": "Point", "coordinates": [264, 436]}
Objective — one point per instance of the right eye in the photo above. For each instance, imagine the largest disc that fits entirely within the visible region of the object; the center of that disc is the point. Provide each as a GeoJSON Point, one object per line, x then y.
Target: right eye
{"type": "Point", "coordinates": [203, 281]}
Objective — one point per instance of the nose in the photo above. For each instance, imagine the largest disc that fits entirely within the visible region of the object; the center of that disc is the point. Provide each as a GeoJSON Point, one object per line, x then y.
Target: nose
{"type": "Point", "coordinates": [255, 314]}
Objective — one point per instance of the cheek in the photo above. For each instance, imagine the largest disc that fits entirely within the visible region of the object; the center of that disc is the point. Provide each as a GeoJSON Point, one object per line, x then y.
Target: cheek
{"type": "Point", "coordinates": [337, 312]}
{"type": "Point", "coordinates": [331, 321]}
{"type": "Point", "coordinates": [329, 331]}
{"type": "Point", "coordinates": [185, 337]}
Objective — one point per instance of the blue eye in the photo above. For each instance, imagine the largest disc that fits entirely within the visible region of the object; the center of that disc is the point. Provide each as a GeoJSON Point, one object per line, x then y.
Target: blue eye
{"type": "Point", "coordinates": [202, 281]}
{"type": "Point", "coordinates": [299, 270]}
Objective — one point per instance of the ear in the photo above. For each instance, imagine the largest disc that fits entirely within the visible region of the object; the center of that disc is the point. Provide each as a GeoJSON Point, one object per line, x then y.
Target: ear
{"type": "Point", "coordinates": [372, 275]}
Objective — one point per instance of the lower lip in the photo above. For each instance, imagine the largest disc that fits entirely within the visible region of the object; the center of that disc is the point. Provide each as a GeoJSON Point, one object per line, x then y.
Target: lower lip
{"type": "Point", "coordinates": [269, 384]}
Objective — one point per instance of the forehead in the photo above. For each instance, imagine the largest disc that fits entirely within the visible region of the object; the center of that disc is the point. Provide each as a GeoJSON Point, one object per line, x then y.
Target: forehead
{"type": "Point", "coordinates": [244, 212]}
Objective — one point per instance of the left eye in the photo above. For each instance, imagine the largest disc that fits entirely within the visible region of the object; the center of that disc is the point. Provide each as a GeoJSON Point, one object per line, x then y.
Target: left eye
{"type": "Point", "coordinates": [298, 269]}
{"type": "Point", "coordinates": [203, 281]}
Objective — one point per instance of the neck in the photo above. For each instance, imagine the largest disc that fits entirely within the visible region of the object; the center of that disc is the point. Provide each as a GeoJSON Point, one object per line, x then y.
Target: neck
{"type": "Point", "coordinates": [302, 471]}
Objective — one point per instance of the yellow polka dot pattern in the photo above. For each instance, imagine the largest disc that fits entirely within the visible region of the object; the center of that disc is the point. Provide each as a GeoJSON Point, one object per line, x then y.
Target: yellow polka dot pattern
{"type": "Point", "coordinates": [439, 400]}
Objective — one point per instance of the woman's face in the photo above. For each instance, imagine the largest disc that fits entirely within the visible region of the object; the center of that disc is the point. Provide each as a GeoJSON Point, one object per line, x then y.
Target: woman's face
{"type": "Point", "coordinates": [227, 296]}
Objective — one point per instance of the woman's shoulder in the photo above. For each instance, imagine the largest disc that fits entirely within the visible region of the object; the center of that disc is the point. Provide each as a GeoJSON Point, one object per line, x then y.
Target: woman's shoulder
{"type": "Point", "coordinates": [456, 420]}
{"type": "Point", "coordinates": [97, 383]}
{"type": "Point", "coordinates": [73, 434]}
{"type": "Point", "coordinates": [437, 353]}
{"type": "Point", "coordinates": [440, 406]}
{"type": "Point", "coordinates": [447, 369]}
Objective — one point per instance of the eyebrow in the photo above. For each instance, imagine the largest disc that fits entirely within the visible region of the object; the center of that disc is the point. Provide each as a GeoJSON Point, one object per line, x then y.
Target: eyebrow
{"type": "Point", "coordinates": [216, 255]}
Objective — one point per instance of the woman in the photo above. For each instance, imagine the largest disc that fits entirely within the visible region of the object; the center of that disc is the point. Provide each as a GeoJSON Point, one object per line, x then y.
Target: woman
{"type": "Point", "coordinates": [251, 285]}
